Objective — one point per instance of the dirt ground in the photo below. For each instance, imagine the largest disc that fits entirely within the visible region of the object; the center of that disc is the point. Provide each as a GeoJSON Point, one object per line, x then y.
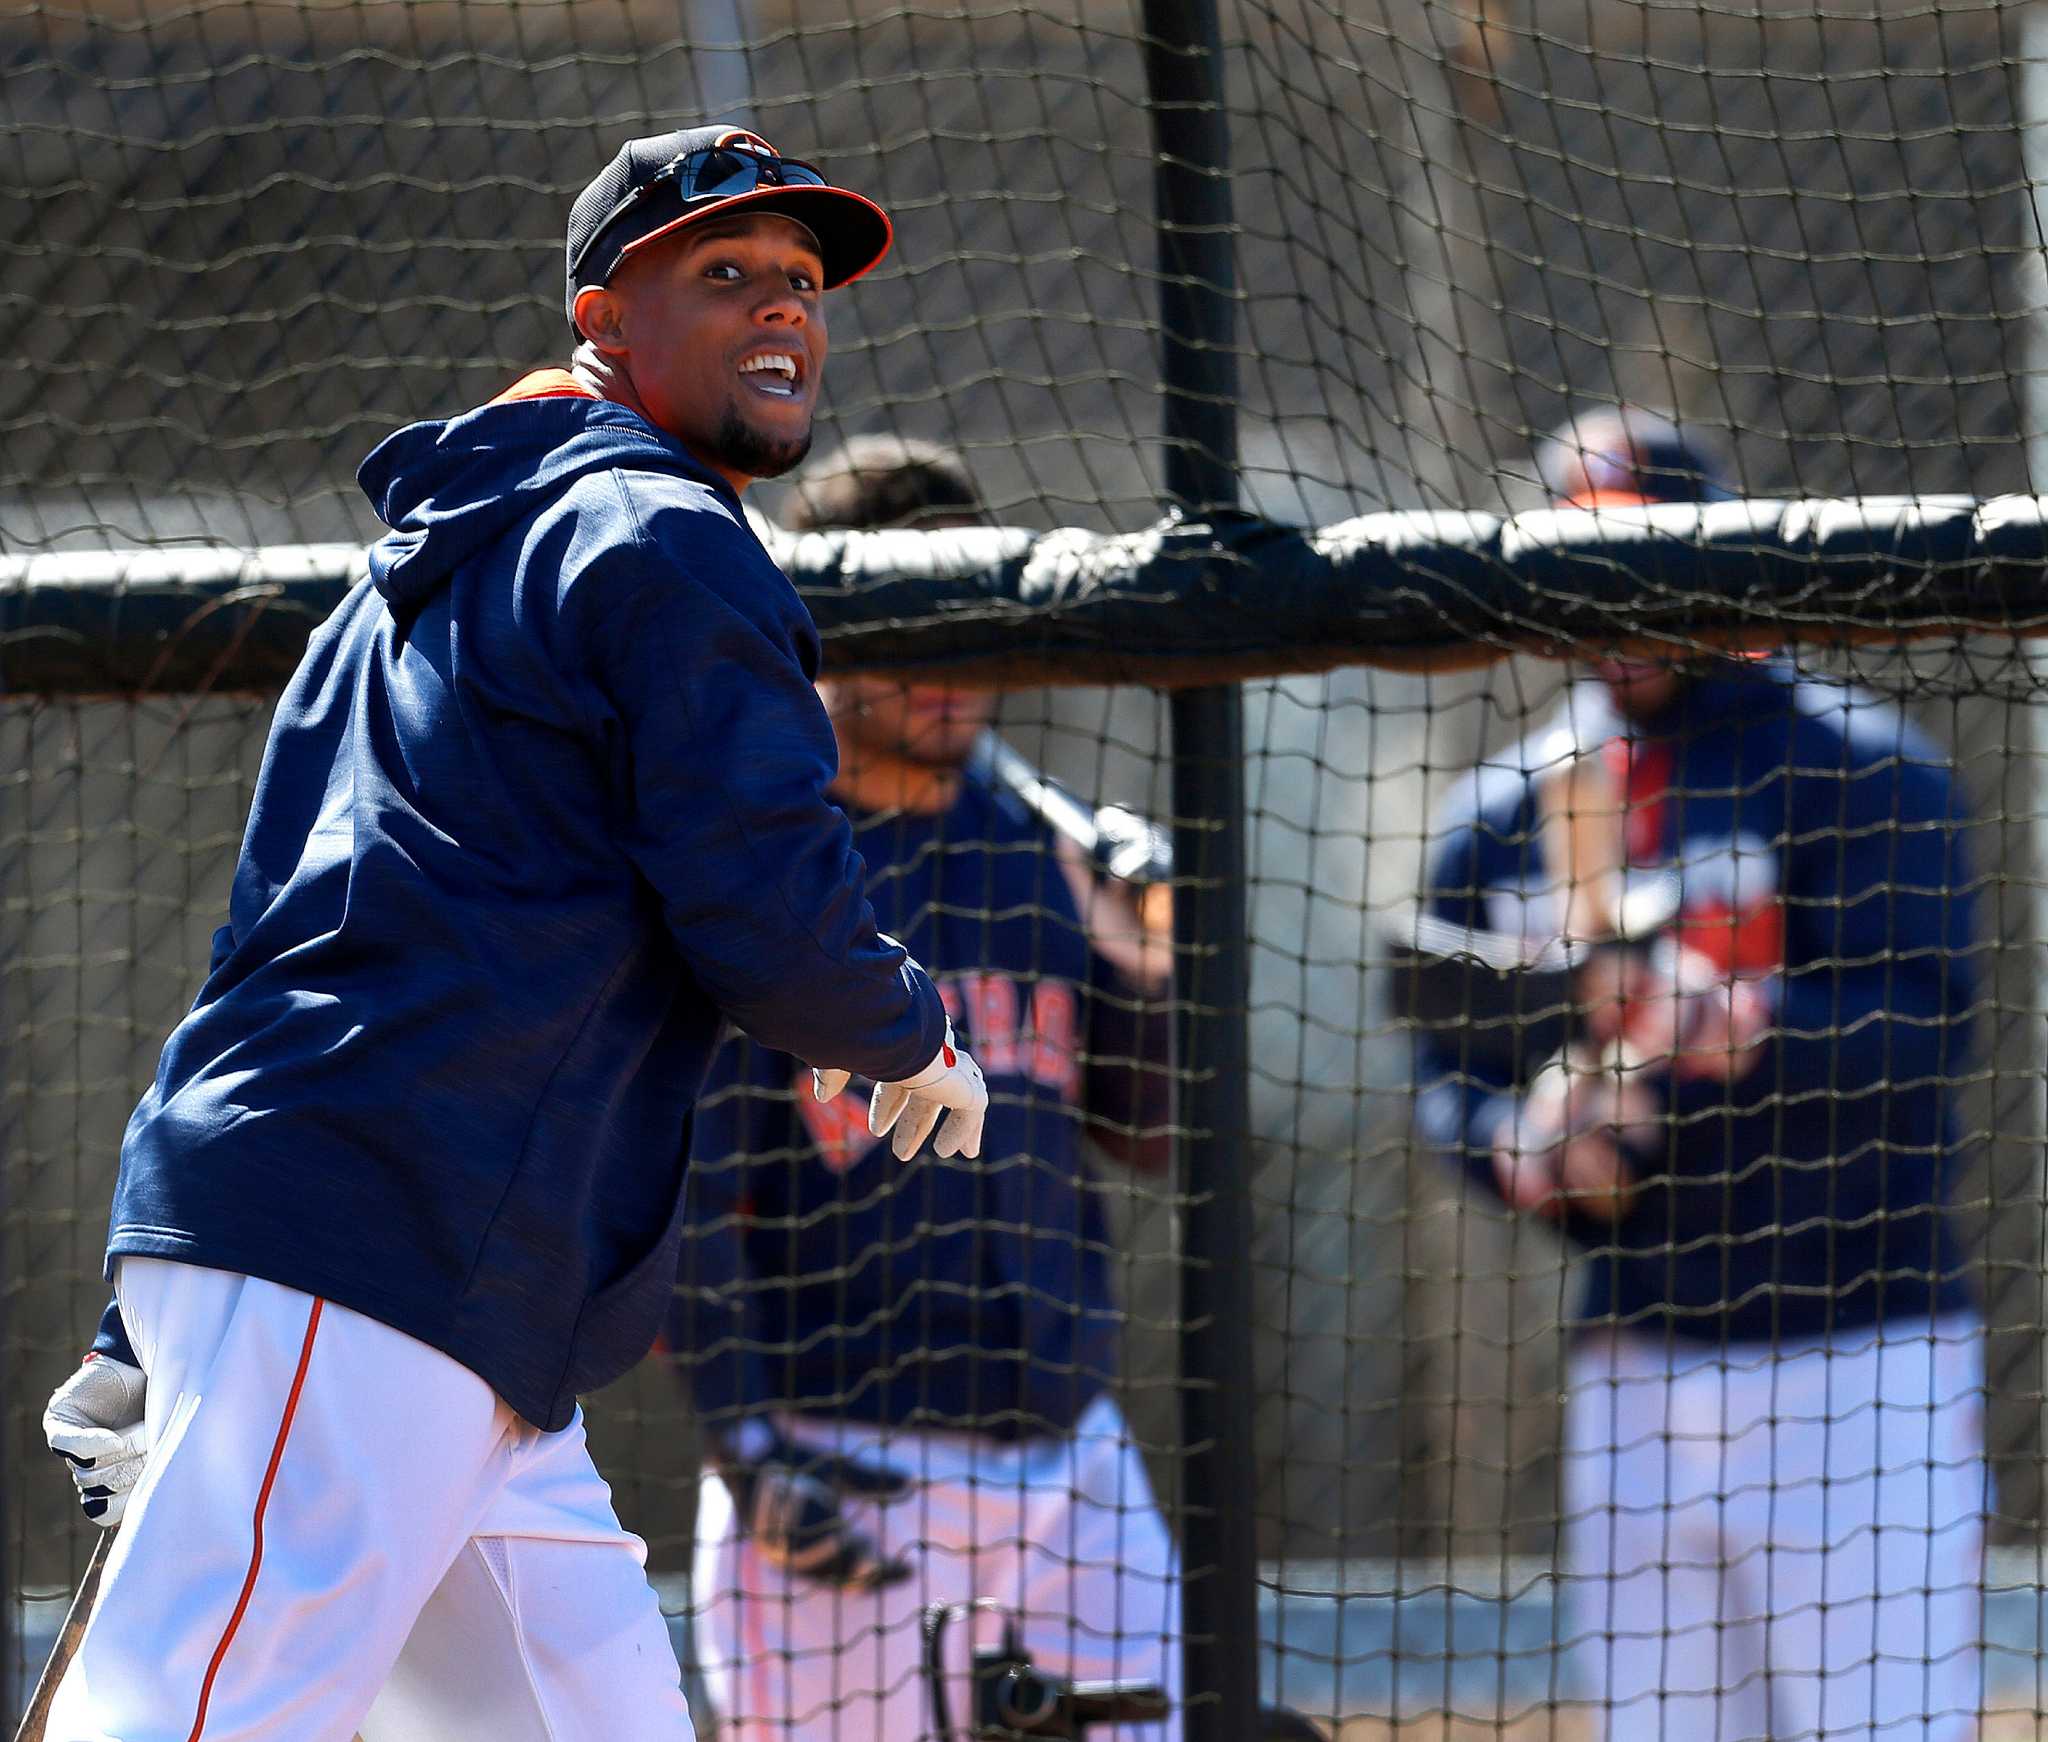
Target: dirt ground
{"type": "Point", "coordinates": [1544, 1726]}
{"type": "Point", "coordinates": [1566, 1725]}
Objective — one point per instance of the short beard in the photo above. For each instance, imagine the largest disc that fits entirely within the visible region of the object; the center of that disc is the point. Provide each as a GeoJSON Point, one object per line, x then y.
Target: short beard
{"type": "Point", "coordinates": [744, 449]}
{"type": "Point", "coordinates": [946, 760]}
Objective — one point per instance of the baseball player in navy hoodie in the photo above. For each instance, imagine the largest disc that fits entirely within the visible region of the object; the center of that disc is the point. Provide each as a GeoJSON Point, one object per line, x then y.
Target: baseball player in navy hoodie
{"type": "Point", "coordinates": [906, 1373]}
{"type": "Point", "coordinates": [544, 805]}
{"type": "Point", "coordinates": [1774, 1480]}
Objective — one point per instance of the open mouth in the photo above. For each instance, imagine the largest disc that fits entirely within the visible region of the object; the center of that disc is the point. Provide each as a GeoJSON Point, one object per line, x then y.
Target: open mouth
{"type": "Point", "coordinates": [777, 374]}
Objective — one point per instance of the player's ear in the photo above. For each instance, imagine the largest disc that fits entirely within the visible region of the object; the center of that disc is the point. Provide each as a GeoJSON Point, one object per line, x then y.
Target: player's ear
{"type": "Point", "coordinates": [601, 318]}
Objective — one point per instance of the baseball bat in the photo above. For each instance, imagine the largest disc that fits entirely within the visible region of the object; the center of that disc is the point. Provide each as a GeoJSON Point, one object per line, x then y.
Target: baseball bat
{"type": "Point", "coordinates": [37, 1716]}
{"type": "Point", "coordinates": [75, 1618]}
{"type": "Point", "coordinates": [1119, 842]}
{"type": "Point", "coordinates": [1484, 992]}
{"type": "Point", "coordinates": [1503, 999]}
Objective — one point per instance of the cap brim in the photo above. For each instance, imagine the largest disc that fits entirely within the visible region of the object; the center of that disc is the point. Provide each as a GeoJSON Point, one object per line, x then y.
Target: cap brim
{"type": "Point", "coordinates": [853, 232]}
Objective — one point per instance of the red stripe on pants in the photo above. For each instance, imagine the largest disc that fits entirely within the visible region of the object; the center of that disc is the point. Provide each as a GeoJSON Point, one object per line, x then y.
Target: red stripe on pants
{"type": "Point", "coordinates": [284, 1430]}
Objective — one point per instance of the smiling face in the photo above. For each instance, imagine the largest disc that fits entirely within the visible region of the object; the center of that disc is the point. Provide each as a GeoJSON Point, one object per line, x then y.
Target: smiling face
{"type": "Point", "coordinates": [718, 331]}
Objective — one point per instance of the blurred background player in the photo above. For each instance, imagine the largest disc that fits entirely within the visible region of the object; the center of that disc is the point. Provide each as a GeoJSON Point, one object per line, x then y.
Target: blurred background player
{"type": "Point", "coordinates": [905, 1371]}
{"type": "Point", "coordinates": [1774, 1478]}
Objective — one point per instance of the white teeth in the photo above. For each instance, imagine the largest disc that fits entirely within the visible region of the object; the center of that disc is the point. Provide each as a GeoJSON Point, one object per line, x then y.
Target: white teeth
{"type": "Point", "coordinates": [783, 365]}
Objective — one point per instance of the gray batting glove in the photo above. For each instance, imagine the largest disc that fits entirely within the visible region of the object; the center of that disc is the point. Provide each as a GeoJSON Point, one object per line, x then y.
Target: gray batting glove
{"type": "Point", "coordinates": [94, 1423]}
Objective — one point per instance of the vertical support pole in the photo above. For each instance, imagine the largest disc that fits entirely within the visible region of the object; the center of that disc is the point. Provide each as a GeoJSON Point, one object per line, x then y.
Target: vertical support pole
{"type": "Point", "coordinates": [2028, 788]}
{"type": "Point", "coordinates": [718, 32]}
{"type": "Point", "coordinates": [1219, 1547]}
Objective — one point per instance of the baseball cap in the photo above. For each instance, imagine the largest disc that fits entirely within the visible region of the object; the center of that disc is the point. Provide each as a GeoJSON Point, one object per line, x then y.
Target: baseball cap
{"type": "Point", "coordinates": [1621, 455]}
{"type": "Point", "coordinates": [656, 186]}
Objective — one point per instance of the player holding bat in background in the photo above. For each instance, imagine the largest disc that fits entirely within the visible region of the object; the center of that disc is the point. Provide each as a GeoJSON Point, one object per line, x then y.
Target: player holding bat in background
{"type": "Point", "coordinates": [904, 1371]}
{"type": "Point", "coordinates": [1774, 1481]}
{"type": "Point", "coordinates": [543, 806]}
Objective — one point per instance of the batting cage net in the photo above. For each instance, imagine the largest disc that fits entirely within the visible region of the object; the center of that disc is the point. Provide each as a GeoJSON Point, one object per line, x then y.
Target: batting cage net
{"type": "Point", "coordinates": [1426, 610]}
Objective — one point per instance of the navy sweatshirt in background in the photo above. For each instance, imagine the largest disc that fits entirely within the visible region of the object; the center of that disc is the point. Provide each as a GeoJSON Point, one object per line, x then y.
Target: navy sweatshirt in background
{"type": "Point", "coordinates": [544, 803]}
{"type": "Point", "coordinates": [822, 1275]}
{"type": "Point", "coordinates": [1808, 1196]}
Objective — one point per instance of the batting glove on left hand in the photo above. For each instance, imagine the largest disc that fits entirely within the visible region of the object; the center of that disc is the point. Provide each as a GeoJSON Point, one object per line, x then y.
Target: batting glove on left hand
{"type": "Point", "coordinates": [94, 1423]}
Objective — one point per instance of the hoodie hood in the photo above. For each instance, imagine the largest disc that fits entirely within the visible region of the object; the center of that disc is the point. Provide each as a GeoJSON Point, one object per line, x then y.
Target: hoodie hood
{"type": "Point", "coordinates": [451, 488]}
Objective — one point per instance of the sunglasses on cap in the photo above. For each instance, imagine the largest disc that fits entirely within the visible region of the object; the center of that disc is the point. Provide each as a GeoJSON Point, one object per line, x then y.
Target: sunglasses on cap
{"type": "Point", "coordinates": [715, 172]}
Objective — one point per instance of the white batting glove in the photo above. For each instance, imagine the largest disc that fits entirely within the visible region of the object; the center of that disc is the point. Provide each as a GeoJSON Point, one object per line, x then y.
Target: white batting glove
{"type": "Point", "coordinates": [951, 1084]}
{"type": "Point", "coordinates": [94, 1423]}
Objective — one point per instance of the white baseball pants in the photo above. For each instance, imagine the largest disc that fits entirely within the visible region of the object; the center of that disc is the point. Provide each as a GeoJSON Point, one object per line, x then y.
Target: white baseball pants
{"type": "Point", "coordinates": [1782, 1545]}
{"type": "Point", "coordinates": [1063, 1533]}
{"type": "Point", "coordinates": [339, 1529]}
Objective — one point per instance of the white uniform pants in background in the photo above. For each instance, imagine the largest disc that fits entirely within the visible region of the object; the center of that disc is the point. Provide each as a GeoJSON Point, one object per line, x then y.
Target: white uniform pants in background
{"type": "Point", "coordinates": [1063, 1533]}
{"type": "Point", "coordinates": [328, 1504]}
{"type": "Point", "coordinates": [1779, 1545]}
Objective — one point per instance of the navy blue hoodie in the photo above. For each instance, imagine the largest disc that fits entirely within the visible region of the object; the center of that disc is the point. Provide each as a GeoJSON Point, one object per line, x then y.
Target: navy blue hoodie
{"type": "Point", "coordinates": [545, 800]}
{"type": "Point", "coordinates": [1807, 1197]}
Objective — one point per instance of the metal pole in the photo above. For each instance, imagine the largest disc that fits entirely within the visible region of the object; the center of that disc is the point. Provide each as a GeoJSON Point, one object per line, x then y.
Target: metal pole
{"type": "Point", "coordinates": [718, 32]}
{"type": "Point", "coordinates": [2032, 733]}
{"type": "Point", "coordinates": [1197, 305]}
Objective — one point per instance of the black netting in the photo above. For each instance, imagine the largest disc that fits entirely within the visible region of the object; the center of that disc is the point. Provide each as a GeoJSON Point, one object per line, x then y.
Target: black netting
{"type": "Point", "coordinates": [243, 244]}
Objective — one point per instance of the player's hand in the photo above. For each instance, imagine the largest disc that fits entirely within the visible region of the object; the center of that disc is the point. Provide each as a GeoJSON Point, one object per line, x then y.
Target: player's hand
{"type": "Point", "coordinates": [94, 1423]}
{"type": "Point", "coordinates": [787, 1501]}
{"type": "Point", "coordinates": [951, 1084]}
{"type": "Point", "coordinates": [1566, 1145]}
{"type": "Point", "coordinates": [1129, 926]}
{"type": "Point", "coordinates": [1680, 1013]}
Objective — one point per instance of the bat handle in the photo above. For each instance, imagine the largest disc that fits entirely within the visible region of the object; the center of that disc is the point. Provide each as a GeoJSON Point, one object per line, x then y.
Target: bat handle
{"type": "Point", "coordinates": [37, 1714]}
{"type": "Point", "coordinates": [37, 1717]}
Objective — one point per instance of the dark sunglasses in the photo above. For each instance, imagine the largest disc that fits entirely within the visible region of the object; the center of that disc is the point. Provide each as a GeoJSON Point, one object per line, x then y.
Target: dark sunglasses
{"type": "Point", "coordinates": [713, 173]}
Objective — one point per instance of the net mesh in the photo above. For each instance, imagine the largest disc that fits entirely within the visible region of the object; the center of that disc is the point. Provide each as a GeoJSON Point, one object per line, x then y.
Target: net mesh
{"type": "Point", "coordinates": [244, 243]}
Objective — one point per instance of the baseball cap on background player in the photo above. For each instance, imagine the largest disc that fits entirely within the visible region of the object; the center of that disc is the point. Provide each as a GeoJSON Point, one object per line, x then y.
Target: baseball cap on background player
{"type": "Point", "coordinates": [656, 186]}
{"type": "Point", "coordinates": [1619, 457]}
